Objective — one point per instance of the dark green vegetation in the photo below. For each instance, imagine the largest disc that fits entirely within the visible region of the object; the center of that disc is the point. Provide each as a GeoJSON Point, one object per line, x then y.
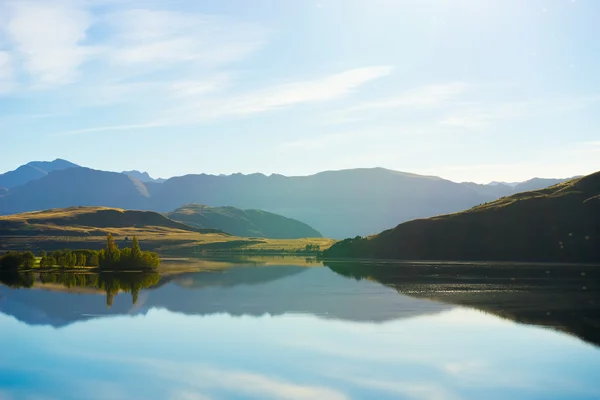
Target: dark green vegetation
{"type": "Point", "coordinates": [245, 223]}
{"type": "Point", "coordinates": [128, 258]}
{"type": "Point", "coordinates": [16, 259]}
{"type": "Point", "coordinates": [557, 224]}
{"type": "Point", "coordinates": [562, 297]}
{"type": "Point", "coordinates": [336, 203]}
{"type": "Point", "coordinates": [109, 258]}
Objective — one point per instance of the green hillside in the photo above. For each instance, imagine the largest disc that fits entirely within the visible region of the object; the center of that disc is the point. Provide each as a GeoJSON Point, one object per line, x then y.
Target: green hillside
{"type": "Point", "coordinates": [245, 223]}
{"type": "Point", "coordinates": [559, 223]}
{"type": "Point", "coordinates": [74, 221]}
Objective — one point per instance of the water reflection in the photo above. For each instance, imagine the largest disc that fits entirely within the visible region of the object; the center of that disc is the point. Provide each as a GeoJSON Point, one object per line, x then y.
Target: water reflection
{"type": "Point", "coordinates": [565, 298]}
{"type": "Point", "coordinates": [61, 299]}
{"type": "Point", "coordinates": [287, 332]}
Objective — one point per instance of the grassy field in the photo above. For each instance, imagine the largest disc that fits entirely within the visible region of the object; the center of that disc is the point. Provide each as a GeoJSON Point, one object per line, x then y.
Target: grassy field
{"type": "Point", "coordinates": [177, 243]}
{"type": "Point", "coordinates": [87, 227]}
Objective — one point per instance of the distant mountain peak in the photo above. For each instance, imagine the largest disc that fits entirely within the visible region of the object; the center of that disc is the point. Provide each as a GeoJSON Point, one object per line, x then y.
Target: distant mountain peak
{"type": "Point", "coordinates": [33, 170]}
{"type": "Point", "coordinates": [141, 176]}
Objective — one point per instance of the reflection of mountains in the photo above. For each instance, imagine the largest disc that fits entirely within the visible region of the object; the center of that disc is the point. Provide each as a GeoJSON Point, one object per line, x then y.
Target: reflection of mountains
{"type": "Point", "coordinates": [236, 291]}
{"type": "Point", "coordinates": [566, 298]}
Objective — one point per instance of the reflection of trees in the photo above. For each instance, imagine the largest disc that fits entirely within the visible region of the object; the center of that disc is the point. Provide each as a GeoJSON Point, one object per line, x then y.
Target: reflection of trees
{"type": "Point", "coordinates": [14, 279]}
{"type": "Point", "coordinates": [109, 282]}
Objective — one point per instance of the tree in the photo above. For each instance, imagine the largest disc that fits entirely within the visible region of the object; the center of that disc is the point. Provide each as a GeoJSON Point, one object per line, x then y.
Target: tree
{"type": "Point", "coordinates": [136, 251]}
{"type": "Point", "coordinates": [47, 262]}
{"type": "Point", "coordinates": [27, 260]}
{"type": "Point", "coordinates": [111, 253]}
{"type": "Point", "coordinates": [94, 261]}
{"type": "Point", "coordinates": [10, 260]}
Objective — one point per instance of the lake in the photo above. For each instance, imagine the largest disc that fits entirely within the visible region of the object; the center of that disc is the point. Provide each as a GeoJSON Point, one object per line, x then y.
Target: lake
{"type": "Point", "coordinates": [280, 328]}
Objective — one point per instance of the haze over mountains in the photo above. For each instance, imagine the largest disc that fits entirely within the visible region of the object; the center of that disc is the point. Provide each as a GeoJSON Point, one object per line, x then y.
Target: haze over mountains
{"type": "Point", "coordinates": [338, 204]}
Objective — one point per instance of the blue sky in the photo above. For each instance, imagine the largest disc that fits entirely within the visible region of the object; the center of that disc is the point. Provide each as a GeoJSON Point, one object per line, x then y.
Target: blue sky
{"type": "Point", "coordinates": [463, 89]}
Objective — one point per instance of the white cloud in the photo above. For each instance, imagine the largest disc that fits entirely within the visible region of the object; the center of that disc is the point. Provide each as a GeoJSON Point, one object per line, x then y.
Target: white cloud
{"type": "Point", "coordinates": [426, 96]}
{"type": "Point", "coordinates": [483, 115]}
{"type": "Point", "coordinates": [6, 72]}
{"type": "Point", "coordinates": [47, 37]}
{"type": "Point", "coordinates": [190, 88]}
{"type": "Point", "coordinates": [194, 111]}
{"type": "Point", "coordinates": [194, 377]}
{"type": "Point", "coordinates": [284, 95]}
{"type": "Point", "coordinates": [188, 395]}
{"type": "Point", "coordinates": [159, 38]}
{"type": "Point", "coordinates": [464, 367]}
{"type": "Point", "coordinates": [110, 128]}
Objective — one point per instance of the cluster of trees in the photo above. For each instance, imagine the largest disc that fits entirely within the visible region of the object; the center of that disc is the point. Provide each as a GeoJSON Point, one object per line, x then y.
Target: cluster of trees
{"type": "Point", "coordinates": [312, 248]}
{"type": "Point", "coordinates": [129, 258]}
{"type": "Point", "coordinates": [113, 258]}
{"type": "Point", "coordinates": [12, 260]}
{"type": "Point", "coordinates": [69, 259]}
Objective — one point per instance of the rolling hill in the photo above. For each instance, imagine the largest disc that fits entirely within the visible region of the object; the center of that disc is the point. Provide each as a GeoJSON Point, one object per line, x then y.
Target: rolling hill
{"type": "Point", "coordinates": [87, 227]}
{"type": "Point", "coordinates": [559, 224]}
{"type": "Point", "coordinates": [78, 221]}
{"type": "Point", "coordinates": [246, 223]}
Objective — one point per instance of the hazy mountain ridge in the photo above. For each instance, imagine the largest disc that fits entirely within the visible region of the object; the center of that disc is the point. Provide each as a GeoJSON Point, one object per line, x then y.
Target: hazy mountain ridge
{"type": "Point", "coordinates": [245, 223]}
{"type": "Point", "coordinates": [77, 187]}
{"type": "Point", "coordinates": [501, 189]}
{"type": "Point", "coordinates": [338, 204]}
{"type": "Point", "coordinates": [32, 171]}
{"type": "Point", "coordinates": [558, 224]}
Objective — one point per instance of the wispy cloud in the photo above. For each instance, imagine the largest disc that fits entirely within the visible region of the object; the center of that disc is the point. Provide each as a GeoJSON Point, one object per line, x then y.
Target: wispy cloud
{"type": "Point", "coordinates": [202, 377]}
{"type": "Point", "coordinates": [322, 89]}
{"type": "Point", "coordinates": [426, 96]}
{"type": "Point", "coordinates": [50, 42]}
{"type": "Point", "coordinates": [161, 38]}
{"type": "Point", "coordinates": [110, 128]}
{"type": "Point", "coordinates": [479, 116]}
{"type": "Point", "coordinates": [6, 72]}
{"type": "Point", "coordinates": [195, 111]}
{"type": "Point", "coordinates": [47, 37]}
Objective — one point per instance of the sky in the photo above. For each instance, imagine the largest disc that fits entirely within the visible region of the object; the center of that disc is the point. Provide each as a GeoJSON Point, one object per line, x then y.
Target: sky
{"type": "Point", "coordinates": [468, 90]}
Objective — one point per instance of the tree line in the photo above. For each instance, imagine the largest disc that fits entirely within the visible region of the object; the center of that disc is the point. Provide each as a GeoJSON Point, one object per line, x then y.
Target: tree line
{"type": "Point", "coordinates": [111, 257]}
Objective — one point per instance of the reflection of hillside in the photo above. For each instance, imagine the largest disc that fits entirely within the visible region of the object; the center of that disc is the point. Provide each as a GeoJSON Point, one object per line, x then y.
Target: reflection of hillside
{"type": "Point", "coordinates": [230, 277]}
{"type": "Point", "coordinates": [565, 298]}
{"type": "Point", "coordinates": [236, 291]}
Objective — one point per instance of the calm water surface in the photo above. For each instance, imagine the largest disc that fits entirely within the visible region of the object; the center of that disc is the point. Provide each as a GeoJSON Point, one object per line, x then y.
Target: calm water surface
{"type": "Point", "coordinates": [277, 332]}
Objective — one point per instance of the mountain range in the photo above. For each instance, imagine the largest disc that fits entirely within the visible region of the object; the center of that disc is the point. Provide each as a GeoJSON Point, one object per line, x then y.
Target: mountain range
{"type": "Point", "coordinates": [338, 204]}
{"type": "Point", "coordinates": [557, 224]}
